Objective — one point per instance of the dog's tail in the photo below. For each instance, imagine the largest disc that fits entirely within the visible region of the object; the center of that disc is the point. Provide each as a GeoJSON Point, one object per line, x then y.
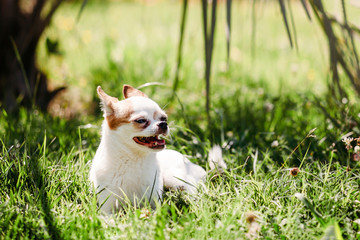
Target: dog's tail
{"type": "Point", "coordinates": [216, 160]}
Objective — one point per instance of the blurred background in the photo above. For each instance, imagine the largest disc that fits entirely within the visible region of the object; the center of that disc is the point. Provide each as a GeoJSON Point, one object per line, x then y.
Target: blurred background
{"type": "Point", "coordinates": [84, 44]}
{"type": "Point", "coordinates": [229, 71]}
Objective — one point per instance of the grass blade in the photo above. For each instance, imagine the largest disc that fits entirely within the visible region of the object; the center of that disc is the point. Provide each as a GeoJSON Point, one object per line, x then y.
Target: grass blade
{"type": "Point", "coordinates": [208, 68]}
{"type": "Point", "coordinates": [209, 45]}
{"type": "Point", "coordinates": [292, 21]}
{"type": "Point", "coordinates": [255, 161]}
{"type": "Point", "coordinates": [308, 204]}
{"type": "Point", "coordinates": [332, 232]}
{"type": "Point", "coordinates": [207, 50]}
{"type": "Point", "coordinates": [353, 47]}
{"type": "Point", "coordinates": [152, 188]}
{"type": "Point", "coordinates": [205, 31]}
{"type": "Point", "coordinates": [294, 150]}
{"type": "Point", "coordinates": [228, 30]}
{"type": "Point", "coordinates": [22, 68]}
{"type": "Point", "coordinates": [180, 46]}
{"type": "Point", "coordinates": [253, 30]}
{"type": "Point", "coordinates": [324, 21]}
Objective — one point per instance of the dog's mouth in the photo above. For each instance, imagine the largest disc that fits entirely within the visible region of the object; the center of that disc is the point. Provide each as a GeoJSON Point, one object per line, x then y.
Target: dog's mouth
{"type": "Point", "coordinates": [154, 142]}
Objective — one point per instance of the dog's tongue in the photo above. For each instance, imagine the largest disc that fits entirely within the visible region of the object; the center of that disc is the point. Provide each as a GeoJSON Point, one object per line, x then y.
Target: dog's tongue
{"type": "Point", "coordinates": [154, 142]}
{"type": "Point", "coordinates": [151, 142]}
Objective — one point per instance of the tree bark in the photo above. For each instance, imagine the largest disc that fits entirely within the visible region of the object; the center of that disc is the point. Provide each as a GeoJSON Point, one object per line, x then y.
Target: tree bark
{"type": "Point", "coordinates": [21, 81]}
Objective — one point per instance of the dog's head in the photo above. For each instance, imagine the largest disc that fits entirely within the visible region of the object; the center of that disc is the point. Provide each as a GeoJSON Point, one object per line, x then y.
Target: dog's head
{"type": "Point", "coordinates": [137, 120]}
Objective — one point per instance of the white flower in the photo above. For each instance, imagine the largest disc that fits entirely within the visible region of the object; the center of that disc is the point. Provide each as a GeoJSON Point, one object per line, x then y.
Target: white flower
{"type": "Point", "coordinates": [275, 144]}
{"type": "Point", "coordinates": [357, 149]}
{"type": "Point", "coordinates": [347, 141]}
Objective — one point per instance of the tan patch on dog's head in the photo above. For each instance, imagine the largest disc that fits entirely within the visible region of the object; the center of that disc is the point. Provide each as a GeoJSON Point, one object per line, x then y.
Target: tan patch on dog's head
{"type": "Point", "coordinates": [121, 115]}
{"type": "Point", "coordinates": [116, 112]}
{"type": "Point", "coordinates": [130, 91]}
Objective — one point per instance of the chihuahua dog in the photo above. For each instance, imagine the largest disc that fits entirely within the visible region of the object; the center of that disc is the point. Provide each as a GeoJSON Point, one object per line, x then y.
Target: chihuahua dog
{"type": "Point", "coordinates": [131, 164]}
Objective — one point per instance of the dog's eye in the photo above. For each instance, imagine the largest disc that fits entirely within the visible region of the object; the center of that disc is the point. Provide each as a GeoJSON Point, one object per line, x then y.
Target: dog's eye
{"type": "Point", "coordinates": [163, 119]}
{"type": "Point", "coordinates": [141, 120]}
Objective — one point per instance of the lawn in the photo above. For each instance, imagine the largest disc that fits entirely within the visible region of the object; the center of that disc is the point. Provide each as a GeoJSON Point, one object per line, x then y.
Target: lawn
{"type": "Point", "coordinates": [271, 112]}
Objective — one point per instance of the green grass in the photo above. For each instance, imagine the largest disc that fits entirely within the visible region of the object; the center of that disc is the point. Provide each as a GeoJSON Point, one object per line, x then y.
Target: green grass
{"type": "Point", "coordinates": [45, 192]}
{"type": "Point", "coordinates": [280, 96]}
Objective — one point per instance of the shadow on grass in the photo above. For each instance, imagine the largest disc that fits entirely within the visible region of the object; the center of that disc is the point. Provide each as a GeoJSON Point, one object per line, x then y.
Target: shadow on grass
{"type": "Point", "coordinates": [273, 125]}
{"type": "Point", "coordinates": [31, 142]}
{"type": "Point", "coordinates": [40, 185]}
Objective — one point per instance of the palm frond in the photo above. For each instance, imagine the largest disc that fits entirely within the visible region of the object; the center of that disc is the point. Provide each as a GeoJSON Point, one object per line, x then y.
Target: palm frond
{"type": "Point", "coordinates": [209, 45]}
{"type": "Point", "coordinates": [284, 15]}
{"type": "Point", "coordinates": [228, 30]}
{"type": "Point", "coordinates": [304, 4]}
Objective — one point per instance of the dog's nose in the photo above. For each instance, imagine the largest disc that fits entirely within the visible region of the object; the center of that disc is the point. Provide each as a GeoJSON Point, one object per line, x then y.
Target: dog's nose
{"type": "Point", "coordinates": [163, 126]}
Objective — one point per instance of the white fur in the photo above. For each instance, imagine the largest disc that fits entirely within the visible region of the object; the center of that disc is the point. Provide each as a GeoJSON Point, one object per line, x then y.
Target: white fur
{"type": "Point", "coordinates": [124, 171]}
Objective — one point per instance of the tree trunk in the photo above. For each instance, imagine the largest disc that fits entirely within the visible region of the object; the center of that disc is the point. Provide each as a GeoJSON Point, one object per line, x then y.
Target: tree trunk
{"type": "Point", "coordinates": [21, 82]}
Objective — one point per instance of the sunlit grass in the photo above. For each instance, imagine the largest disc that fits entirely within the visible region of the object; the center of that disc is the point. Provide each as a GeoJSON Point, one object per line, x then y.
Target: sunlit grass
{"type": "Point", "coordinates": [263, 111]}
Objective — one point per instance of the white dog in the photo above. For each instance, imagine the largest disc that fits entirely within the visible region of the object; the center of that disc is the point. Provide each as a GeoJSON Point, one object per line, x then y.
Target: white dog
{"type": "Point", "coordinates": [131, 164]}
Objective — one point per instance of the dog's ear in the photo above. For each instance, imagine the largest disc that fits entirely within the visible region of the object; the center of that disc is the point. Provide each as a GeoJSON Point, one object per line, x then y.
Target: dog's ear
{"type": "Point", "coordinates": [107, 101]}
{"type": "Point", "coordinates": [129, 91]}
